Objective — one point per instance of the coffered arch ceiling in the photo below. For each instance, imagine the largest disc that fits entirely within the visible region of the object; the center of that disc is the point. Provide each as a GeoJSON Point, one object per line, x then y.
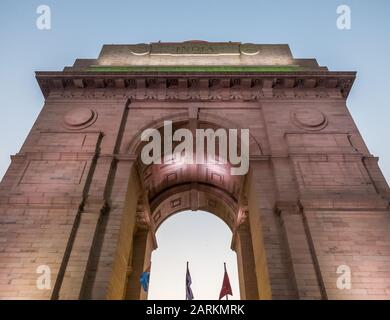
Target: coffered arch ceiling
{"type": "Point", "coordinates": [193, 196]}
{"type": "Point", "coordinates": [156, 178]}
{"type": "Point", "coordinates": [170, 188]}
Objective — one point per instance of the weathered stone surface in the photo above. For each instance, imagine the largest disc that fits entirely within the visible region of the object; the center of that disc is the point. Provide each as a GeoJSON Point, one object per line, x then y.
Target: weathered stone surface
{"type": "Point", "coordinates": [77, 199]}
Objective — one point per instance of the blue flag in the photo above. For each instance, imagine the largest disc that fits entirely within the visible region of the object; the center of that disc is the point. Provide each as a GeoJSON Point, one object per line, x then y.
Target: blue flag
{"type": "Point", "coordinates": [189, 294]}
{"type": "Point", "coordinates": [144, 279]}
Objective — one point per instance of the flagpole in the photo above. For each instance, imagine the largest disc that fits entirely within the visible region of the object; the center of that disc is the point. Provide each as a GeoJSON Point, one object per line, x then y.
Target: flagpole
{"type": "Point", "coordinates": [226, 288]}
{"type": "Point", "coordinates": [224, 266]}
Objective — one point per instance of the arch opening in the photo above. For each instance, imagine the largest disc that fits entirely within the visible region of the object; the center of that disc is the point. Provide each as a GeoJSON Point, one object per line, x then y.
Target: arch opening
{"type": "Point", "coordinates": [191, 197]}
{"type": "Point", "coordinates": [203, 240]}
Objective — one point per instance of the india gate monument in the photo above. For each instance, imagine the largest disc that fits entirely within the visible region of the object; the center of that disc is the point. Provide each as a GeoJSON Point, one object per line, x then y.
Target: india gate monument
{"type": "Point", "coordinates": [310, 217]}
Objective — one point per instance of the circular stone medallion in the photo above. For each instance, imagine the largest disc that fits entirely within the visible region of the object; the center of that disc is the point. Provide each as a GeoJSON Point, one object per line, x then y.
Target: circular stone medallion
{"type": "Point", "coordinates": [80, 118]}
{"type": "Point", "coordinates": [249, 49]}
{"type": "Point", "coordinates": [140, 49]}
{"type": "Point", "coordinates": [309, 119]}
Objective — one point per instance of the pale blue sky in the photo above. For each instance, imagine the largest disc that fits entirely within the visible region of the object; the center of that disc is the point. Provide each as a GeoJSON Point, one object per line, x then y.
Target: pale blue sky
{"type": "Point", "coordinates": [80, 28]}
{"type": "Point", "coordinates": [204, 241]}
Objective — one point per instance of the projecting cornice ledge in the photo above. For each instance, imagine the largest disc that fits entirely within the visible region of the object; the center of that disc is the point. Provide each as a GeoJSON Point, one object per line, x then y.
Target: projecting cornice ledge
{"type": "Point", "coordinates": [200, 85]}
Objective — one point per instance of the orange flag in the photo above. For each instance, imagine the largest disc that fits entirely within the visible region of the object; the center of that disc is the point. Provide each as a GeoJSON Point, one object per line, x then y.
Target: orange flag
{"type": "Point", "coordinates": [226, 288]}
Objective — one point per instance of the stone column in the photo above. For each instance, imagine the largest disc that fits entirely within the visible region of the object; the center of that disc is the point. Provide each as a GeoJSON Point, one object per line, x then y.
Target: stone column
{"type": "Point", "coordinates": [246, 263]}
{"type": "Point", "coordinates": [141, 258]}
{"type": "Point", "coordinates": [270, 252]}
{"type": "Point", "coordinates": [81, 241]}
{"type": "Point", "coordinates": [112, 248]}
{"type": "Point", "coordinates": [306, 275]}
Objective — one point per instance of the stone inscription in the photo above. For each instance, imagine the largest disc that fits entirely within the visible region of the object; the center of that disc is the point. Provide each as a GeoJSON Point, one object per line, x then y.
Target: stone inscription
{"type": "Point", "coordinates": [195, 48]}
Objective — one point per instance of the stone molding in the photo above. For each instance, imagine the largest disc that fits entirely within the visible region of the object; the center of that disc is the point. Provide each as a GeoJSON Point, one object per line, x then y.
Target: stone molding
{"type": "Point", "coordinates": [194, 86]}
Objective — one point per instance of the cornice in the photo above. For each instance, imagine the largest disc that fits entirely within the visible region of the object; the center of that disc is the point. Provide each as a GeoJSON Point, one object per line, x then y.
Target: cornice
{"type": "Point", "coordinates": [198, 85]}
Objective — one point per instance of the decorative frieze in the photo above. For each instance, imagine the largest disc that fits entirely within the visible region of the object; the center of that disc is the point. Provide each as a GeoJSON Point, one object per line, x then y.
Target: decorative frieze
{"type": "Point", "coordinates": [328, 85]}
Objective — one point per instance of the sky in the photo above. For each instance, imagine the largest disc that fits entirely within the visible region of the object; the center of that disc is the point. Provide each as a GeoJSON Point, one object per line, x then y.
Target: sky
{"type": "Point", "coordinates": [176, 246]}
{"type": "Point", "coordinates": [80, 28]}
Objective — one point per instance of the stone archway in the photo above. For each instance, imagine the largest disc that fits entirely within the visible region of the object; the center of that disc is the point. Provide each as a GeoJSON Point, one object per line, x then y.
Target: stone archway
{"type": "Point", "coordinates": [165, 189]}
{"type": "Point", "coordinates": [195, 197]}
{"type": "Point", "coordinates": [77, 198]}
